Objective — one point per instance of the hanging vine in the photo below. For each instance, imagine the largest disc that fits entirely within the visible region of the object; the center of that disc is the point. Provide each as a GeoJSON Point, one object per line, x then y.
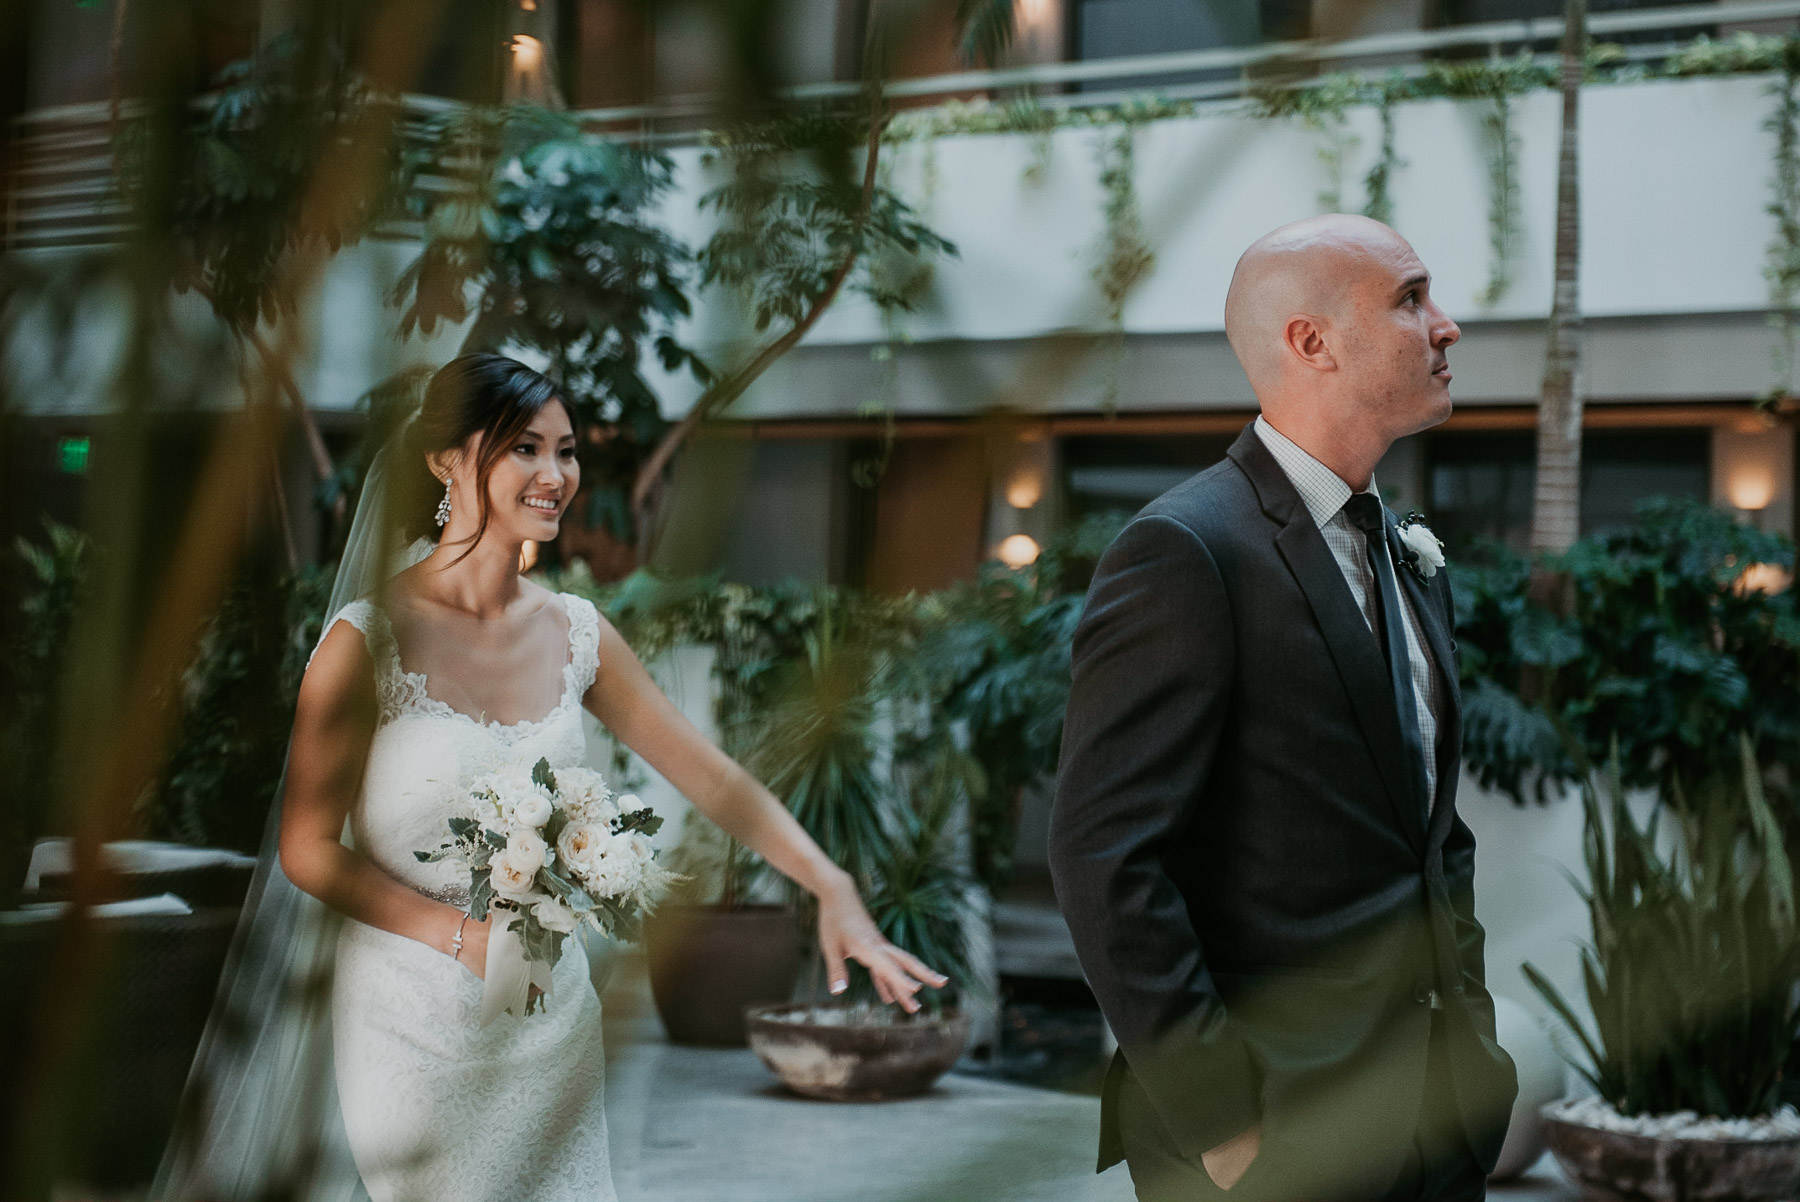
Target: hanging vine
{"type": "Point", "coordinates": [1494, 83]}
{"type": "Point", "coordinates": [1782, 266]}
{"type": "Point", "coordinates": [1378, 183]}
{"type": "Point", "coordinates": [1323, 105]}
{"type": "Point", "coordinates": [1503, 196]}
{"type": "Point", "coordinates": [899, 280]}
{"type": "Point", "coordinates": [1125, 254]}
{"type": "Point", "coordinates": [1323, 108]}
{"type": "Point", "coordinates": [1039, 122]}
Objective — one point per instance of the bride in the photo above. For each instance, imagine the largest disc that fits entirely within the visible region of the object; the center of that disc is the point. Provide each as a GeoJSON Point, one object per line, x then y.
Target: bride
{"type": "Point", "coordinates": [456, 666]}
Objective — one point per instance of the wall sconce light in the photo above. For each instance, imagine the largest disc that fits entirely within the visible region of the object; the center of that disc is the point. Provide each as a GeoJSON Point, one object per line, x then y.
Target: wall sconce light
{"type": "Point", "coordinates": [1033, 13]}
{"type": "Point", "coordinates": [528, 556]}
{"type": "Point", "coordinates": [1750, 490]}
{"type": "Point", "coordinates": [1028, 466]}
{"type": "Point", "coordinates": [528, 52]}
{"type": "Point", "coordinates": [1025, 489]}
{"type": "Point", "coordinates": [1018, 550]}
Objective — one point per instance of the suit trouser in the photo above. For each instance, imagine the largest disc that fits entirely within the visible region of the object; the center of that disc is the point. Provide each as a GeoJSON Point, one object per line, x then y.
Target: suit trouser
{"type": "Point", "coordinates": [1438, 1168]}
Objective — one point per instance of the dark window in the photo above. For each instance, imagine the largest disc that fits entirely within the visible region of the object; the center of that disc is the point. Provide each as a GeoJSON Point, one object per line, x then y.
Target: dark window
{"type": "Point", "coordinates": [1478, 12]}
{"type": "Point", "coordinates": [1480, 484]}
{"type": "Point", "coordinates": [1127, 472]}
{"type": "Point", "coordinates": [1113, 28]}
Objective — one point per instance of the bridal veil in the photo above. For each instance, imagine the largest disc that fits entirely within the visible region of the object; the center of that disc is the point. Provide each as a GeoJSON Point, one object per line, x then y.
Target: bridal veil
{"type": "Point", "coordinates": [259, 1116]}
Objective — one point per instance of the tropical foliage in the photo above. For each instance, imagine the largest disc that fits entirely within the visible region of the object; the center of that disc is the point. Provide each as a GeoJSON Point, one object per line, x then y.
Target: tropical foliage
{"type": "Point", "coordinates": [226, 761]}
{"type": "Point", "coordinates": [235, 707]}
{"type": "Point", "coordinates": [994, 656]}
{"type": "Point", "coordinates": [1692, 972]}
{"type": "Point", "coordinates": [791, 213]}
{"type": "Point", "coordinates": [31, 664]}
{"type": "Point", "coordinates": [548, 238]}
{"type": "Point", "coordinates": [234, 185]}
{"type": "Point", "coordinates": [1668, 650]}
{"type": "Point", "coordinates": [977, 674]}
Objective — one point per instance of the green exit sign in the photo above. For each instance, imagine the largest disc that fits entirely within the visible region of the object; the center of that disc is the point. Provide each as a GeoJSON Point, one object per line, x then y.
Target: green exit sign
{"type": "Point", "coordinates": [72, 455]}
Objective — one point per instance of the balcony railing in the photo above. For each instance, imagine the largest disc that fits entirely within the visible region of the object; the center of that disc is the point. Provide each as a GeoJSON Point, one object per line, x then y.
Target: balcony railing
{"type": "Point", "coordinates": [64, 192]}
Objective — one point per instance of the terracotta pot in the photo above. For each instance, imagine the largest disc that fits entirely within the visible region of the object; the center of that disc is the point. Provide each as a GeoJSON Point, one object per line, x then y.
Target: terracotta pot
{"type": "Point", "coordinates": [847, 1061]}
{"type": "Point", "coordinates": [708, 965]}
{"type": "Point", "coordinates": [1644, 1168]}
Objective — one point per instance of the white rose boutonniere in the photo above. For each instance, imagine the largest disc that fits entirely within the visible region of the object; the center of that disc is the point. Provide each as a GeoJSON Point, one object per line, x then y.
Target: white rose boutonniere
{"type": "Point", "coordinates": [1421, 550]}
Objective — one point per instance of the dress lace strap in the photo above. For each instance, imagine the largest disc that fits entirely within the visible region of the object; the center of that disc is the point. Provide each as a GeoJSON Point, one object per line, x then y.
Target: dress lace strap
{"type": "Point", "coordinates": [584, 646]}
{"type": "Point", "coordinates": [378, 637]}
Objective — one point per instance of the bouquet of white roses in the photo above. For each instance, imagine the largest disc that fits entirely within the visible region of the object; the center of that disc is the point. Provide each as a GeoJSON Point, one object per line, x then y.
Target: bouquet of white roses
{"type": "Point", "coordinates": [550, 851]}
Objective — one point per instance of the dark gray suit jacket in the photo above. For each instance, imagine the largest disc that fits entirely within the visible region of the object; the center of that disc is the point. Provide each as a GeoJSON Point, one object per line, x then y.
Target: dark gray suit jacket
{"type": "Point", "coordinates": [1260, 905]}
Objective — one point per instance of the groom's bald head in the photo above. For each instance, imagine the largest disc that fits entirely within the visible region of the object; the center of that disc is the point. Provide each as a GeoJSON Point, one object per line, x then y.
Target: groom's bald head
{"type": "Point", "coordinates": [1302, 269]}
{"type": "Point", "coordinates": [1333, 322]}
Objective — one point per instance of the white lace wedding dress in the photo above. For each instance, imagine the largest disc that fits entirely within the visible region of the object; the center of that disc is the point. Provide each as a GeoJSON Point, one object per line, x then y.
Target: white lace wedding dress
{"type": "Point", "coordinates": [436, 1107]}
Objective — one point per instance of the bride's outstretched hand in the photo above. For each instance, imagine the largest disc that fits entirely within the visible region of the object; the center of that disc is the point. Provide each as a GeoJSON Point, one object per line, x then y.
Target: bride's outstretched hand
{"type": "Point", "coordinates": [846, 932]}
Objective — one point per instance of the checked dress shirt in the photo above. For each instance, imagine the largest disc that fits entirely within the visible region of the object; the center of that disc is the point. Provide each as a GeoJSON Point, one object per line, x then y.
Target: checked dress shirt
{"type": "Point", "coordinates": [1324, 494]}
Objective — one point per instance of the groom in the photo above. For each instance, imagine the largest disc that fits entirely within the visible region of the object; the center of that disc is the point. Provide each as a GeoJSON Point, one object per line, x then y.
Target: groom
{"type": "Point", "coordinates": [1255, 837]}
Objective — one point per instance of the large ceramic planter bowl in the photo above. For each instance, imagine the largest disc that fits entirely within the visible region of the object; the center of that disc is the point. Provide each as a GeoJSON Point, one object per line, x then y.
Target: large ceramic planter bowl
{"type": "Point", "coordinates": [1644, 1168]}
{"type": "Point", "coordinates": [833, 1053]}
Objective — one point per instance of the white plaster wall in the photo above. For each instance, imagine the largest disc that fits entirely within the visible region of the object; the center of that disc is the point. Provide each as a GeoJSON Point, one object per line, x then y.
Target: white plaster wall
{"type": "Point", "coordinates": [1524, 856]}
{"type": "Point", "coordinates": [347, 341]}
{"type": "Point", "coordinates": [1675, 177]}
{"type": "Point", "coordinates": [351, 338]}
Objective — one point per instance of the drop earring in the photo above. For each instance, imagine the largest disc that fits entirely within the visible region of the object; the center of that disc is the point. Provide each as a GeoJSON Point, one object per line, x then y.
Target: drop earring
{"type": "Point", "coordinates": [443, 509]}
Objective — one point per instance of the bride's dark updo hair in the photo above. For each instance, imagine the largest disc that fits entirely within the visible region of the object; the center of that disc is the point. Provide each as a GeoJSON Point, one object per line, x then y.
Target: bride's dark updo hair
{"type": "Point", "coordinates": [479, 393]}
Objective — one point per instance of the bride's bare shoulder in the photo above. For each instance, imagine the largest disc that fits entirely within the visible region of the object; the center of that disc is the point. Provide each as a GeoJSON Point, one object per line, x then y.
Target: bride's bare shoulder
{"type": "Point", "coordinates": [341, 669]}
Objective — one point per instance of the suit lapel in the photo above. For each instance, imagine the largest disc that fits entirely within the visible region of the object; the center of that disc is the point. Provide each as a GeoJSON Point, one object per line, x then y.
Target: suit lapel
{"type": "Point", "coordinates": [1426, 603]}
{"type": "Point", "coordinates": [1355, 649]}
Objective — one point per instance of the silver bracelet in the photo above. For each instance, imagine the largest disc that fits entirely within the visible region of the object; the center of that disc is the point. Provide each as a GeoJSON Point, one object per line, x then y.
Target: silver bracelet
{"type": "Point", "coordinates": [456, 944]}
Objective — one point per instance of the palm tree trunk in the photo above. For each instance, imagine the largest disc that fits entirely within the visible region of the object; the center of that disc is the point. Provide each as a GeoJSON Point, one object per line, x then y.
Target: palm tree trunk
{"type": "Point", "coordinates": [1556, 507]}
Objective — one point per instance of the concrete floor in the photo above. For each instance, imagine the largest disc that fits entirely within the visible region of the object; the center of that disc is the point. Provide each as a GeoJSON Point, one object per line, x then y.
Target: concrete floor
{"type": "Point", "coordinates": [712, 1125]}
{"type": "Point", "coordinates": [706, 1125]}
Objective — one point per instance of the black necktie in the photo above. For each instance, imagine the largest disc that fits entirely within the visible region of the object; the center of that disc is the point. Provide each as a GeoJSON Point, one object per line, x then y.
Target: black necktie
{"type": "Point", "coordinates": [1365, 513]}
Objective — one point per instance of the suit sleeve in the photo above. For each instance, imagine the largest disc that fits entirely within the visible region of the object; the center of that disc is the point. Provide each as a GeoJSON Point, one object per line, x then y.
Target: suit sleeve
{"type": "Point", "coordinates": [1153, 664]}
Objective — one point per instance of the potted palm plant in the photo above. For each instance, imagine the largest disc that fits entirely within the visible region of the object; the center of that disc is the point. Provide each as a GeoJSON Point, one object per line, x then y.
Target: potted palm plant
{"type": "Point", "coordinates": [1693, 979]}
{"type": "Point", "coordinates": [826, 748]}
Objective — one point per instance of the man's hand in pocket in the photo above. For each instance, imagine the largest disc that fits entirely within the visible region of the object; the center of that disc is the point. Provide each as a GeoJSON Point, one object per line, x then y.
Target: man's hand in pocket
{"type": "Point", "coordinates": [1227, 1163]}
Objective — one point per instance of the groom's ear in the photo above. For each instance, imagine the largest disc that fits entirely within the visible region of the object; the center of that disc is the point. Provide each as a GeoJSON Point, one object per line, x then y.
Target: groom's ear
{"type": "Point", "coordinates": [1304, 337]}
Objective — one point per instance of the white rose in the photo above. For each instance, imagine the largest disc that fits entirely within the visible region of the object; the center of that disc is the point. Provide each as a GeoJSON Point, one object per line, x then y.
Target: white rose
{"type": "Point", "coordinates": [527, 851]}
{"type": "Point", "coordinates": [640, 847]}
{"type": "Point", "coordinates": [1431, 553]}
{"type": "Point", "coordinates": [580, 844]}
{"type": "Point", "coordinates": [533, 809]}
{"type": "Point", "coordinates": [552, 915]}
{"type": "Point", "coordinates": [509, 880]}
